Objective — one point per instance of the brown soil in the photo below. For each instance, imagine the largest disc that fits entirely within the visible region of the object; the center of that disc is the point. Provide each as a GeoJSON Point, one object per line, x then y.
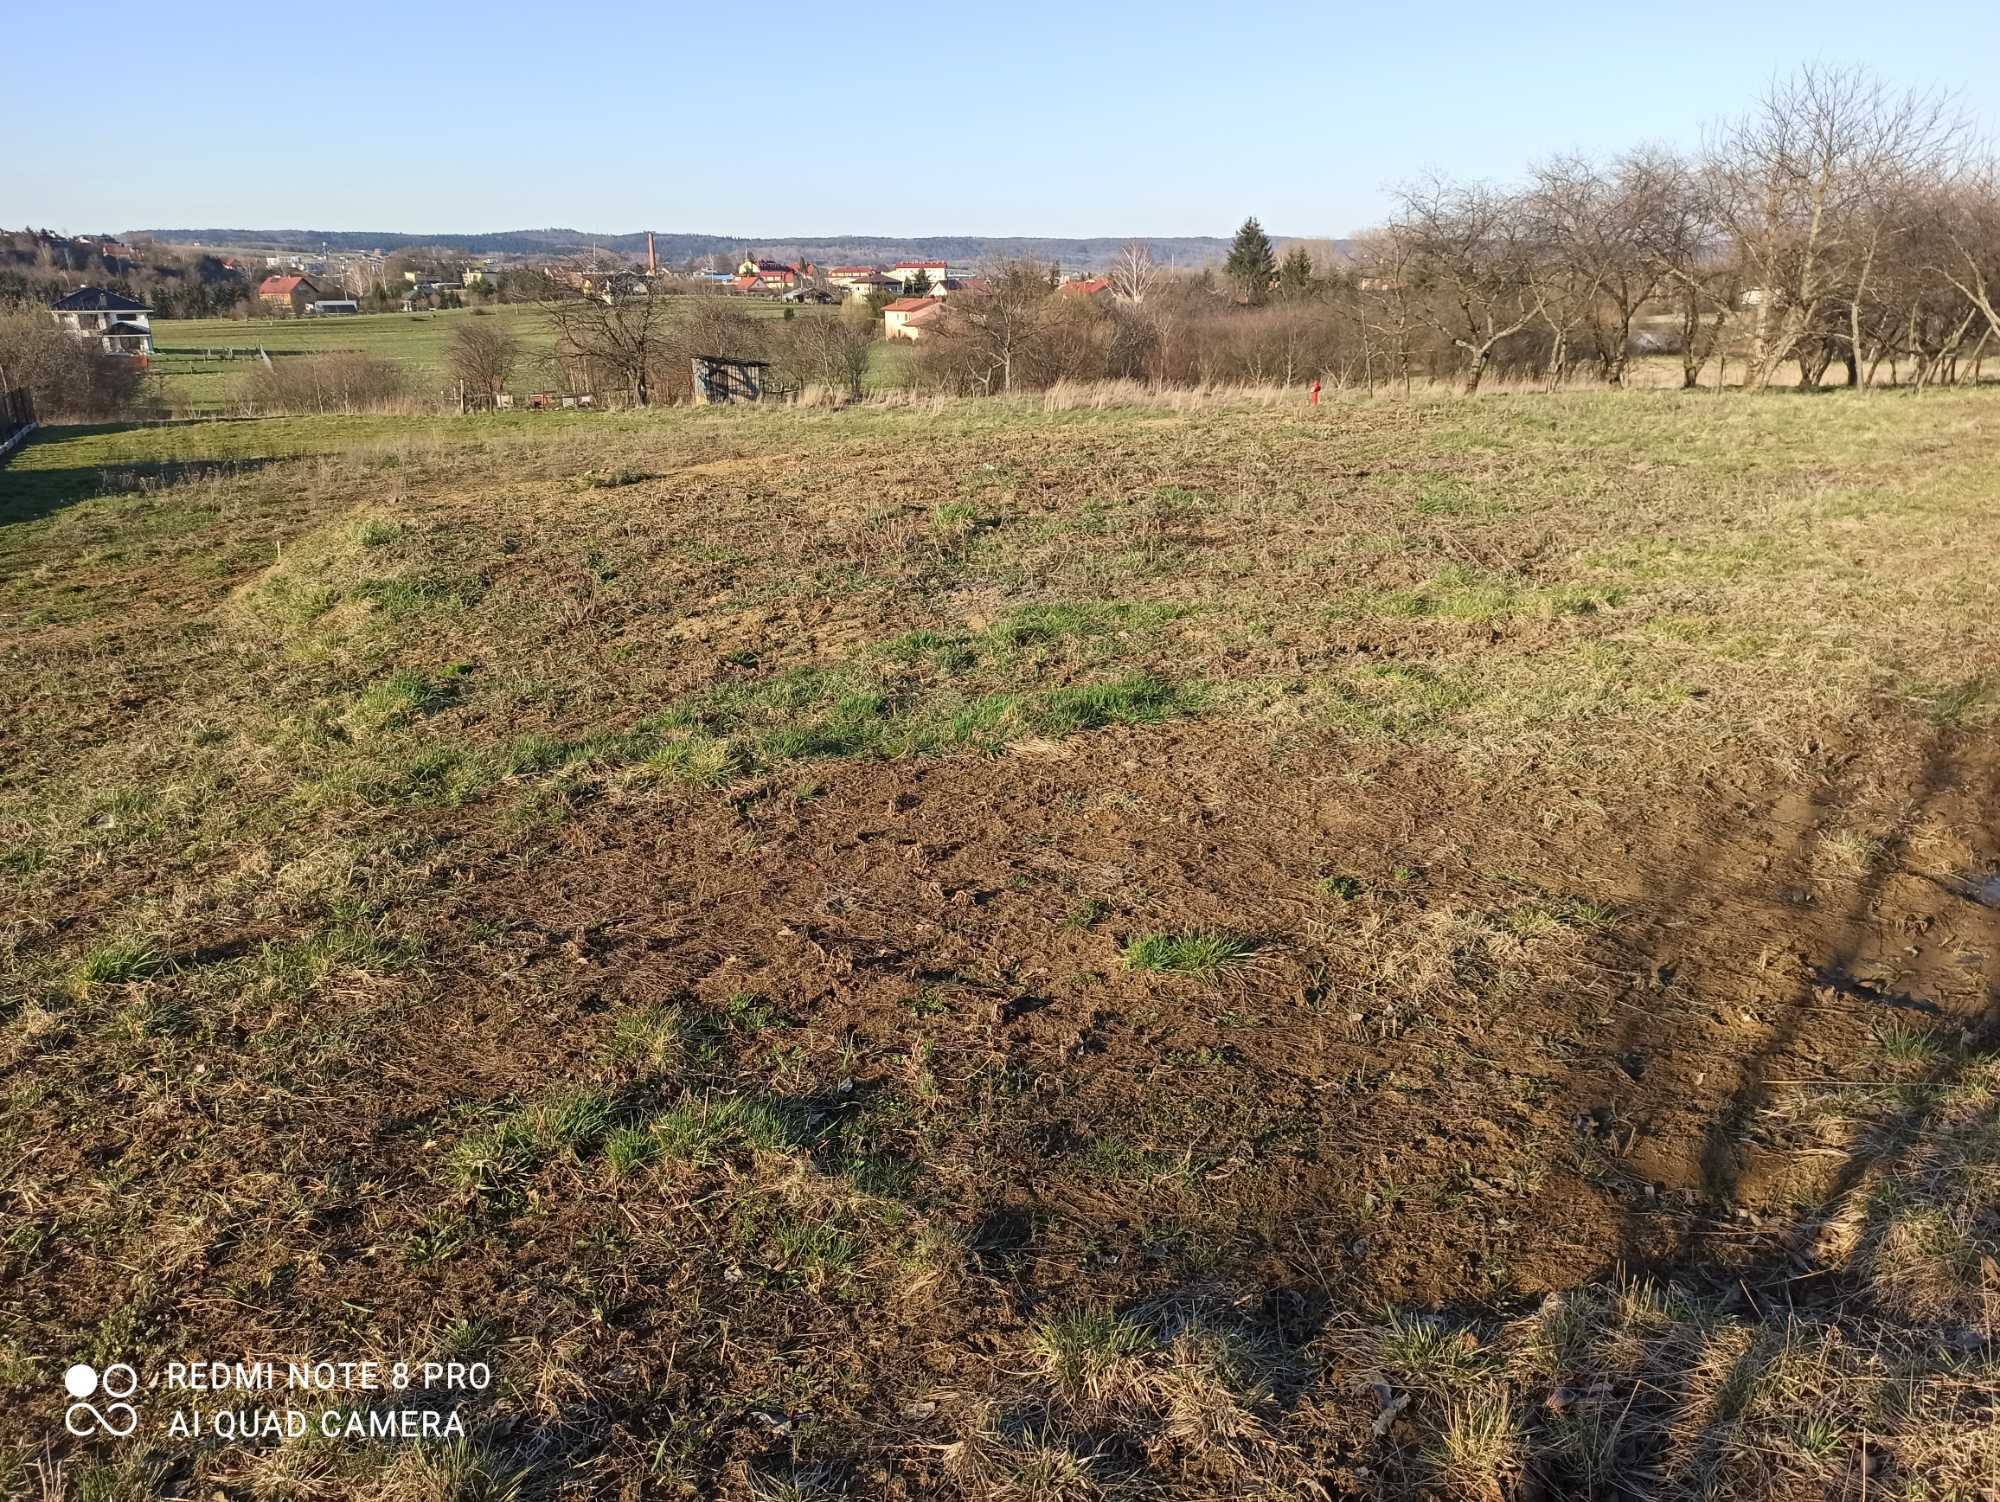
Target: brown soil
{"type": "Point", "coordinates": [1598, 1109]}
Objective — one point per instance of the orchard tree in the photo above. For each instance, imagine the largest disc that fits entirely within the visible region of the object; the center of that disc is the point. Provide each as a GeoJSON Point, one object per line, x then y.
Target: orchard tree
{"type": "Point", "coordinates": [482, 355]}
{"type": "Point", "coordinates": [618, 340]}
{"type": "Point", "coordinates": [1473, 250]}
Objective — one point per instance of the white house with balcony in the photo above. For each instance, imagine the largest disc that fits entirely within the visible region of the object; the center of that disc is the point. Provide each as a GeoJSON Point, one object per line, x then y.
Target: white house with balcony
{"type": "Point", "coordinates": [115, 323]}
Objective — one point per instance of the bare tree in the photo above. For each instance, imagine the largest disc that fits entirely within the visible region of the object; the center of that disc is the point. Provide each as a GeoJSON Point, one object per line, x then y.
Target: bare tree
{"type": "Point", "coordinates": [482, 354]}
{"type": "Point", "coordinates": [1967, 252]}
{"type": "Point", "coordinates": [1383, 299]}
{"type": "Point", "coordinates": [1794, 181]}
{"type": "Point", "coordinates": [995, 333]}
{"type": "Point", "coordinates": [1469, 248]}
{"type": "Point", "coordinates": [1678, 238]}
{"type": "Point", "coordinates": [831, 348]}
{"type": "Point", "coordinates": [1135, 274]}
{"type": "Point", "coordinates": [1595, 225]}
{"type": "Point", "coordinates": [616, 338]}
{"type": "Point", "coordinates": [1572, 247]}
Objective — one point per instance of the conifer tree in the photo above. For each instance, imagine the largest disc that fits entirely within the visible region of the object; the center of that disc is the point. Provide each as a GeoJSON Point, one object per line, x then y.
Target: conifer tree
{"type": "Point", "coordinates": [1252, 261]}
{"type": "Point", "coordinates": [1296, 274]}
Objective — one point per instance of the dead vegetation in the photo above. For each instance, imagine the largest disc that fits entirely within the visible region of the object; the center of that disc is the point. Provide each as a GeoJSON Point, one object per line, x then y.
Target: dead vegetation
{"type": "Point", "coordinates": [1403, 950]}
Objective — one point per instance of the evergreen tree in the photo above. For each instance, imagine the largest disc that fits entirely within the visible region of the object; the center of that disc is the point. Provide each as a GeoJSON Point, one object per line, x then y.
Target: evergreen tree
{"type": "Point", "coordinates": [1296, 274]}
{"type": "Point", "coordinates": [918, 285]}
{"type": "Point", "coordinates": [1252, 261]}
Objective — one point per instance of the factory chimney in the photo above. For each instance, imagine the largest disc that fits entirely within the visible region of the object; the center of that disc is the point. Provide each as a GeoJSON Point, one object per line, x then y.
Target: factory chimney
{"type": "Point", "coordinates": [652, 257]}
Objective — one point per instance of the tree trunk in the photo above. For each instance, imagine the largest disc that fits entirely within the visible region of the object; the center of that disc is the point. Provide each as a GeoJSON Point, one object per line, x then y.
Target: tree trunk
{"type": "Point", "coordinates": [1620, 354]}
{"type": "Point", "coordinates": [1477, 368]}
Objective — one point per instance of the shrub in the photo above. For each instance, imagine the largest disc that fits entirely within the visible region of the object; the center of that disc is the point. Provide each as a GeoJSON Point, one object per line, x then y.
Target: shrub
{"type": "Point", "coordinates": [66, 377]}
{"type": "Point", "coordinates": [336, 382]}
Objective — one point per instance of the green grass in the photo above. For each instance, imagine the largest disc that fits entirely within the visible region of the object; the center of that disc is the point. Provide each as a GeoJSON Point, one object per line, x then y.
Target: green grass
{"type": "Point", "coordinates": [136, 460]}
{"type": "Point", "coordinates": [1201, 955]}
{"type": "Point", "coordinates": [193, 374]}
{"type": "Point", "coordinates": [702, 1131]}
{"type": "Point", "coordinates": [494, 1159]}
{"type": "Point", "coordinates": [120, 960]}
{"type": "Point", "coordinates": [1079, 1349]}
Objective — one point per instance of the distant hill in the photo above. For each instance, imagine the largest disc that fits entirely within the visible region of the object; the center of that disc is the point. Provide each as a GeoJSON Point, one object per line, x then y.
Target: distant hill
{"type": "Point", "coordinates": [675, 247]}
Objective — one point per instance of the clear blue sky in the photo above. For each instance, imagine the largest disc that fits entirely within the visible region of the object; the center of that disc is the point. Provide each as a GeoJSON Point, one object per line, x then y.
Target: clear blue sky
{"type": "Point", "coordinates": [765, 120]}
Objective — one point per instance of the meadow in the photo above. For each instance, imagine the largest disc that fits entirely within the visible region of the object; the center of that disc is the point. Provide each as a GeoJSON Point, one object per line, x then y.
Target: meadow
{"type": "Point", "coordinates": [195, 374]}
{"type": "Point", "coordinates": [1164, 949]}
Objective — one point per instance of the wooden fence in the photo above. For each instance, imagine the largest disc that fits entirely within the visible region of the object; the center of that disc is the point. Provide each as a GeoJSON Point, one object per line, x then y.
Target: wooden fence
{"type": "Point", "coordinates": [17, 419]}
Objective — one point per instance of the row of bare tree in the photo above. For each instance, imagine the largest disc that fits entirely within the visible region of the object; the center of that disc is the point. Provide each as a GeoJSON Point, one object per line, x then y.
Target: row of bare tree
{"type": "Point", "coordinates": [641, 347]}
{"type": "Point", "coordinates": [1835, 223]}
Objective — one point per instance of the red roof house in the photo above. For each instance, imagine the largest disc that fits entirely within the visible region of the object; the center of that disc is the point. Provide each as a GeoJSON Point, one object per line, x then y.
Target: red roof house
{"type": "Point", "coordinates": [287, 294]}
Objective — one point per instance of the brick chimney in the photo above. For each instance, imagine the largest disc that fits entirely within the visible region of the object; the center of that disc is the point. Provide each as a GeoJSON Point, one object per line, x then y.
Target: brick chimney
{"type": "Point", "coordinates": [652, 257]}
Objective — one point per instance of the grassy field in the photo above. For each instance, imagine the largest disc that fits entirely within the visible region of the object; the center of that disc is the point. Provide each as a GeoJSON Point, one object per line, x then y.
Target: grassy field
{"type": "Point", "coordinates": [195, 374]}
{"type": "Point", "coordinates": [1433, 949]}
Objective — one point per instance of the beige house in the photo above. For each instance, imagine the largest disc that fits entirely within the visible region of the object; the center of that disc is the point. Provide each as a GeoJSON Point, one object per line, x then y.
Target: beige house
{"type": "Point", "coordinates": [907, 317]}
{"type": "Point", "coordinates": [862, 287]}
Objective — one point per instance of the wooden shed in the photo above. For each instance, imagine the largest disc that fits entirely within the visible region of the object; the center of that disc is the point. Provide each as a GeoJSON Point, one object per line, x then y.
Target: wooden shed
{"type": "Point", "coordinates": [723, 378]}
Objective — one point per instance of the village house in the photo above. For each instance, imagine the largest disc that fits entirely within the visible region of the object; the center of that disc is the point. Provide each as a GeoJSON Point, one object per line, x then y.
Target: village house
{"type": "Point", "coordinates": [908, 317]}
{"type": "Point", "coordinates": [1086, 286]}
{"type": "Point", "coordinates": [289, 295]}
{"type": "Point", "coordinates": [769, 278]}
{"type": "Point", "coordinates": [861, 288]}
{"type": "Point", "coordinates": [610, 286]}
{"type": "Point", "coordinates": [906, 271]}
{"type": "Point", "coordinates": [117, 324]}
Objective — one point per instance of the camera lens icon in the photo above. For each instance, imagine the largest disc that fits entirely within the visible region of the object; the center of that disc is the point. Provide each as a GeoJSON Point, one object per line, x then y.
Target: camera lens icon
{"type": "Point", "coordinates": [116, 1419]}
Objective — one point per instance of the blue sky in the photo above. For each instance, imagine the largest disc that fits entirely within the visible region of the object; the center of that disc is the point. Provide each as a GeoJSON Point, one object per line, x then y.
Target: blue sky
{"type": "Point", "coordinates": [966, 118]}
